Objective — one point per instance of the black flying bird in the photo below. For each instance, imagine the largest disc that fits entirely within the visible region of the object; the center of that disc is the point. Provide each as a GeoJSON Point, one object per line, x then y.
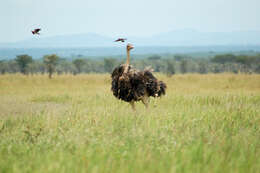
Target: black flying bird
{"type": "Point", "coordinates": [36, 31]}
{"type": "Point", "coordinates": [121, 39]}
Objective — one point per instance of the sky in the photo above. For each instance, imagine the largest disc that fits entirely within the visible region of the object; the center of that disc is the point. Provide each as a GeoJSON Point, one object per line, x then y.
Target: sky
{"type": "Point", "coordinates": [124, 17]}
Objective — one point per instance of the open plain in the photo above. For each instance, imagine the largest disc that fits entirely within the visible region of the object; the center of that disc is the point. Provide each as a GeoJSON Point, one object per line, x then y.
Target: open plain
{"type": "Point", "coordinates": [205, 123]}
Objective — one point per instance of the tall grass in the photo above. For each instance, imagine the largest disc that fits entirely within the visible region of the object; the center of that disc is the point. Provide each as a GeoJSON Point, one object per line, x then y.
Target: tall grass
{"type": "Point", "coordinates": [206, 123]}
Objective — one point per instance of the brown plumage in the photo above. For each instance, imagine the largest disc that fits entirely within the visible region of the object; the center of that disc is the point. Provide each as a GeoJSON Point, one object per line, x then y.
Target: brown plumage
{"type": "Point", "coordinates": [36, 31]}
{"type": "Point", "coordinates": [131, 85]}
{"type": "Point", "coordinates": [121, 39]}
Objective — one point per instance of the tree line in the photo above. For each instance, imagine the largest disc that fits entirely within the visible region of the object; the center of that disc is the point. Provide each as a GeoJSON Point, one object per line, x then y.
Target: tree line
{"type": "Point", "coordinates": [51, 64]}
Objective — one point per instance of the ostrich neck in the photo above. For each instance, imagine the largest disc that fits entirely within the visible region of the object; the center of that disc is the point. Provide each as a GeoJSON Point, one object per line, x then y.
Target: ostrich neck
{"type": "Point", "coordinates": [127, 61]}
{"type": "Point", "coordinates": [128, 57]}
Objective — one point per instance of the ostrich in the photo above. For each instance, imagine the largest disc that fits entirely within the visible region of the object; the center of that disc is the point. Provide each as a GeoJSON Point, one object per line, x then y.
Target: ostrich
{"type": "Point", "coordinates": [131, 85]}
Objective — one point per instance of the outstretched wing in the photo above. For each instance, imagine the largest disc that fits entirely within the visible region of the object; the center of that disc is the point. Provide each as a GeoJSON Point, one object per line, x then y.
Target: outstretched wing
{"type": "Point", "coordinates": [37, 30]}
{"type": "Point", "coordinates": [120, 39]}
{"type": "Point", "coordinates": [117, 40]}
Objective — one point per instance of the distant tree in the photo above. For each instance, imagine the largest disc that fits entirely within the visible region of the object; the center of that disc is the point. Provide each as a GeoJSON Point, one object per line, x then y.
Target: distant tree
{"type": "Point", "coordinates": [3, 67]}
{"type": "Point", "coordinates": [202, 67]}
{"type": "Point", "coordinates": [248, 62]}
{"type": "Point", "coordinates": [184, 66]}
{"type": "Point", "coordinates": [89, 66]}
{"type": "Point", "coordinates": [170, 68]}
{"type": "Point", "coordinates": [23, 61]}
{"type": "Point", "coordinates": [216, 68]}
{"type": "Point", "coordinates": [257, 70]}
{"type": "Point", "coordinates": [36, 67]}
{"type": "Point", "coordinates": [192, 66]}
{"type": "Point", "coordinates": [154, 57]}
{"type": "Point", "coordinates": [155, 61]}
{"type": "Point", "coordinates": [51, 62]}
{"type": "Point", "coordinates": [66, 66]}
{"type": "Point", "coordinates": [109, 64]}
{"type": "Point", "coordinates": [222, 59]}
{"type": "Point", "coordinates": [181, 57]}
{"type": "Point", "coordinates": [12, 66]}
{"type": "Point", "coordinates": [79, 63]}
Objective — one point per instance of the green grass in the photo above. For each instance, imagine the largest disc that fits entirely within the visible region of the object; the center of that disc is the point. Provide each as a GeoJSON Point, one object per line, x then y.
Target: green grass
{"type": "Point", "coordinates": [206, 123]}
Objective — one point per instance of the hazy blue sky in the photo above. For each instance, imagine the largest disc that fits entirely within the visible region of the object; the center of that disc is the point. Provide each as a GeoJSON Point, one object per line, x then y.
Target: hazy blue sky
{"type": "Point", "coordinates": [121, 17]}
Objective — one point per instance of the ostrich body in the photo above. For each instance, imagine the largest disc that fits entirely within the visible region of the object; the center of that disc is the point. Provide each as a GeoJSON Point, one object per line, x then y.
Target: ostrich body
{"type": "Point", "coordinates": [131, 85]}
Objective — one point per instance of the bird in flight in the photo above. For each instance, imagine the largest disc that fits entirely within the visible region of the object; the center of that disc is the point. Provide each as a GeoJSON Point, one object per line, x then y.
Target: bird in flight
{"type": "Point", "coordinates": [36, 31]}
{"type": "Point", "coordinates": [121, 39]}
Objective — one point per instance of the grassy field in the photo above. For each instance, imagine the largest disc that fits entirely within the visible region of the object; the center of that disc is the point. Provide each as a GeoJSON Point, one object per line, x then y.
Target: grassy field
{"type": "Point", "coordinates": [205, 123]}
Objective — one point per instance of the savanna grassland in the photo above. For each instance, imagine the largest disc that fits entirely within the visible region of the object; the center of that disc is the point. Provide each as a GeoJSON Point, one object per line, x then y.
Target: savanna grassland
{"type": "Point", "coordinates": [205, 123]}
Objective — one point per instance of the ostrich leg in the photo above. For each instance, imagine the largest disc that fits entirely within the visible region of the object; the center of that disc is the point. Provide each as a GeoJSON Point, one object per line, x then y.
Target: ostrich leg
{"type": "Point", "coordinates": [132, 103]}
{"type": "Point", "coordinates": [145, 101]}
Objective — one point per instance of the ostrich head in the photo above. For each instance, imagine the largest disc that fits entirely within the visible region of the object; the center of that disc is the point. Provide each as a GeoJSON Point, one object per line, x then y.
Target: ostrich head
{"type": "Point", "coordinates": [129, 47]}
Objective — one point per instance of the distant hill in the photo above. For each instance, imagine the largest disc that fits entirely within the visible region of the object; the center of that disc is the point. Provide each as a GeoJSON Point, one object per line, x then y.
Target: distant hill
{"type": "Point", "coordinates": [173, 38]}
{"type": "Point", "coordinates": [105, 52]}
{"type": "Point", "coordinates": [60, 41]}
{"type": "Point", "coordinates": [94, 45]}
{"type": "Point", "coordinates": [196, 38]}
